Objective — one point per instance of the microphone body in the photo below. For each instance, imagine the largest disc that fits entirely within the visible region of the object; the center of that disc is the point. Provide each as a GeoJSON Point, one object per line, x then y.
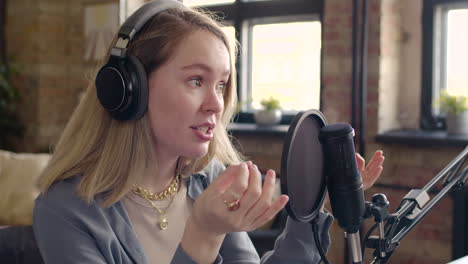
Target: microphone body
{"type": "Point", "coordinates": [344, 182]}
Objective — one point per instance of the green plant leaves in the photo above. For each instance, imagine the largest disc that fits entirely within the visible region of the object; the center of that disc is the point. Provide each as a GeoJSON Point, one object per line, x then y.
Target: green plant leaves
{"type": "Point", "coordinates": [270, 104]}
{"type": "Point", "coordinates": [9, 96]}
{"type": "Point", "coordinates": [451, 103]}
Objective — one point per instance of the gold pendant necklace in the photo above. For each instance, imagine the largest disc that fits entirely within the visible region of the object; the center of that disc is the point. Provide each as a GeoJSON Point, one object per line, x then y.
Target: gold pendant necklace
{"type": "Point", "coordinates": [163, 222]}
{"type": "Point", "coordinates": [171, 191]}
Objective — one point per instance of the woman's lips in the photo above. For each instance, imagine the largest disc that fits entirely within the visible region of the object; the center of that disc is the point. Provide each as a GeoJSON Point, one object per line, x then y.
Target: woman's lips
{"type": "Point", "coordinates": [203, 133]}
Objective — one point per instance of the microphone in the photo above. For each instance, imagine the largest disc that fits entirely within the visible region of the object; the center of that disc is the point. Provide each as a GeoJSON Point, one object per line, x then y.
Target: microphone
{"type": "Point", "coordinates": [344, 182]}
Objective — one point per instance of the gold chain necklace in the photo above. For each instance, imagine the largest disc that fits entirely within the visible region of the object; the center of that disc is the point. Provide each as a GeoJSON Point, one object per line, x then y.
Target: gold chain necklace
{"type": "Point", "coordinates": [170, 191]}
{"type": "Point", "coordinates": [163, 222]}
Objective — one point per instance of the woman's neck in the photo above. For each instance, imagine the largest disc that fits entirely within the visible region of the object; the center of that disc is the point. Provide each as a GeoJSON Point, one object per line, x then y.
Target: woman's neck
{"type": "Point", "coordinates": [157, 178]}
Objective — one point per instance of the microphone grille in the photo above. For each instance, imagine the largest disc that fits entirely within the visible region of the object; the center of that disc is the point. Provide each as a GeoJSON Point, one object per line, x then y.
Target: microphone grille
{"type": "Point", "coordinates": [336, 131]}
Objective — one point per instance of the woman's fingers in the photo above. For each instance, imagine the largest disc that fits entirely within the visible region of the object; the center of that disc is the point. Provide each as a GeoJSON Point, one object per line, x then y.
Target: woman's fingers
{"type": "Point", "coordinates": [265, 200]}
{"type": "Point", "coordinates": [221, 183]}
{"type": "Point", "coordinates": [273, 210]}
{"type": "Point", "coordinates": [237, 201]}
{"type": "Point", "coordinates": [373, 169]}
{"type": "Point", "coordinates": [371, 176]}
{"type": "Point", "coordinates": [361, 162]}
{"type": "Point", "coordinates": [254, 191]}
{"type": "Point", "coordinates": [376, 160]}
{"type": "Point", "coordinates": [238, 186]}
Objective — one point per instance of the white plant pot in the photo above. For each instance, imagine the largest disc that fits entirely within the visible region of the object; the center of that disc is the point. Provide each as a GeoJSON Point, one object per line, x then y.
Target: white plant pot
{"type": "Point", "coordinates": [266, 118]}
{"type": "Point", "coordinates": [457, 123]}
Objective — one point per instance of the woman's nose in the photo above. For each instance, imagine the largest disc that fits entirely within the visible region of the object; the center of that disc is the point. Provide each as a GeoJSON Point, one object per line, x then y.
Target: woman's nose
{"type": "Point", "coordinates": [214, 102]}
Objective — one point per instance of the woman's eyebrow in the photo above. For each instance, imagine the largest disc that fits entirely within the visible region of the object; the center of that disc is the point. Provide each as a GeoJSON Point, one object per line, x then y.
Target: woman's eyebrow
{"type": "Point", "coordinates": [204, 67]}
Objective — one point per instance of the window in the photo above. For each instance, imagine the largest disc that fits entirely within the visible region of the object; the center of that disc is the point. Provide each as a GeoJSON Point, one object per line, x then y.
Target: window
{"type": "Point", "coordinates": [445, 55]}
{"type": "Point", "coordinates": [280, 54]}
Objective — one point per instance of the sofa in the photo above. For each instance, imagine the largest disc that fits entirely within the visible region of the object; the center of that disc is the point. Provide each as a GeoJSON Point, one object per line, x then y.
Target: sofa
{"type": "Point", "coordinates": [18, 174]}
{"type": "Point", "coordinates": [18, 246]}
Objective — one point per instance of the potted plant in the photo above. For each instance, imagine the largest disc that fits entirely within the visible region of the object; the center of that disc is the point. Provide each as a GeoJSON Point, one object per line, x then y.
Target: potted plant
{"type": "Point", "coordinates": [9, 122]}
{"type": "Point", "coordinates": [456, 108]}
{"type": "Point", "coordinates": [270, 114]}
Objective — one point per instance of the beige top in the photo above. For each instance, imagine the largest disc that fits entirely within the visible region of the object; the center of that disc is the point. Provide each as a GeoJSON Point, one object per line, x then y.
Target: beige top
{"type": "Point", "coordinates": [159, 245]}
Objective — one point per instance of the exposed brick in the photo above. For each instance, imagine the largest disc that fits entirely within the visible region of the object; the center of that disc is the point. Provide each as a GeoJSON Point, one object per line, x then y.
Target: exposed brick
{"type": "Point", "coordinates": [55, 7]}
{"type": "Point", "coordinates": [331, 80]}
{"type": "Point", "coordinates": [47, 39]}
{"type": "Point", "coordinates": [337, 50]}
{"type": "Point", "coordinates": [52, 48]}
{"type": "Point", "coordinates": [338, 22]}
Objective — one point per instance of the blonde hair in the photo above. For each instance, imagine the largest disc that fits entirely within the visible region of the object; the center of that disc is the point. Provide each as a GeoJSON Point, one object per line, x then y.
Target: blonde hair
{"type": "Point", "coordinates": [111, 155]}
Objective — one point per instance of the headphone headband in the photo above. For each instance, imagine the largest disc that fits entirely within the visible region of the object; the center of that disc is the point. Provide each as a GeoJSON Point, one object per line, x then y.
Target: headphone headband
{"type": "Point", "coordinates": [135, 22]}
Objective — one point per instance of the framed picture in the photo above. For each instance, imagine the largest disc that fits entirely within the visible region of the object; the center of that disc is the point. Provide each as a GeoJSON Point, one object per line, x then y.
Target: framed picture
{"type": "Point", "coordinates": [101, 22]}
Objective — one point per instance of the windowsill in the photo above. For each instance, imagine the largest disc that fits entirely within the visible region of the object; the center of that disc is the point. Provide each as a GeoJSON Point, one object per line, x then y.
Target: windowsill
{"type": "Point", "coordinates": [422, 138]}
{"type": "Point", "coordinates": [253, 129]}
{"type": "Point", "coordinates": [411, 137]}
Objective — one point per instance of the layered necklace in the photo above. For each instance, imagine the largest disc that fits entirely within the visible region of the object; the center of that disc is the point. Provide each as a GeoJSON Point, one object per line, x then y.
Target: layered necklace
{"type": "Point", "coordinates": [169, 192]}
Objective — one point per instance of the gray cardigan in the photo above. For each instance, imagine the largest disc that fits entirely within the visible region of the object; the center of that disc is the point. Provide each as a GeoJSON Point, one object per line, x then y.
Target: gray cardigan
{"type": "Point", "coordinates": [69, 230]}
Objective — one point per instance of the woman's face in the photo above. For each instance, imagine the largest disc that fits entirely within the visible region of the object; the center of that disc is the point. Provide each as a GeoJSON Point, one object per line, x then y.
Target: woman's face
{"type": "Point", "coordinates": [186, 96]}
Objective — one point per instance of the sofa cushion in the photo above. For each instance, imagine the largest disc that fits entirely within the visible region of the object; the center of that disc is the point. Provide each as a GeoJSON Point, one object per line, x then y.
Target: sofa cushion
{"type": "Point", "coordinates": [18, 246]}
{"type": "Point", "coordinates": [18, 175]}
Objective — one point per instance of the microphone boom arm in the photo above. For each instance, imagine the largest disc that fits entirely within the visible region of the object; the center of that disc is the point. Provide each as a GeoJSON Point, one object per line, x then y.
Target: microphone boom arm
{"type": "Point", "coordinates": [413, 209]}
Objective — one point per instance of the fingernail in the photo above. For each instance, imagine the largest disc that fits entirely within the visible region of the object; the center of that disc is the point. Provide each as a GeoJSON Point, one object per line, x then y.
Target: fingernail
{"type": "Point", "coordinates": [271, 173]}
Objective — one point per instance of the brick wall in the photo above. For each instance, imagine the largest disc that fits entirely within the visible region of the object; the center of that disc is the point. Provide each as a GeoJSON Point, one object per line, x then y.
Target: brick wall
{"type": "Point", "coordinates": [388, 72]}
{"type": "Point", "coordinates": [410, 63]}
{"type": "Point", "coordinates": [47, 39]}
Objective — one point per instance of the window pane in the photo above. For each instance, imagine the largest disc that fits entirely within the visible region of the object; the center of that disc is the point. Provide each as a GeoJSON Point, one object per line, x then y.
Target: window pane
{"type": "Point", "coordinates": [206, 2]}
{"type": "Point", "coordinates": [457, 52]}
{"type": "Point", "coordinates": [286, 64]}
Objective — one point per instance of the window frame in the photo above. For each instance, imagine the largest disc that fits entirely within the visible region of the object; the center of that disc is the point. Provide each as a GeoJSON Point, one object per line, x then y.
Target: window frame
{"type": "Point", "coordinates": [242, 13]}
{"type": "Point", "coordinates": [434, 37]}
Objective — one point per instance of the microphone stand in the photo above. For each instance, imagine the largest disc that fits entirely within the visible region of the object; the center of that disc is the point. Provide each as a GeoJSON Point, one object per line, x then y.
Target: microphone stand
{"type": "Point", "coordinates": [413, 208]}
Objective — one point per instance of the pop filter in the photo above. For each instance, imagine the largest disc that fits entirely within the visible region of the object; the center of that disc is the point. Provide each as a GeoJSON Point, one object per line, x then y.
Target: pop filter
{"type": "Point", "coordinates": [302, 177]}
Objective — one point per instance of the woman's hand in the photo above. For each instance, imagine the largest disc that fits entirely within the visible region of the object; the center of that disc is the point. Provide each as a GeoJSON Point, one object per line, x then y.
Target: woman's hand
{"type": "Point", "coordinates": [372, 171]}
{"type": "Point", "coordinates": [236, 201]}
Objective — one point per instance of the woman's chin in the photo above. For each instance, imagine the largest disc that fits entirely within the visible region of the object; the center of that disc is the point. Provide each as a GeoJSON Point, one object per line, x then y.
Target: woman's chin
{"type": "Point", "coordinates": [198, 153]}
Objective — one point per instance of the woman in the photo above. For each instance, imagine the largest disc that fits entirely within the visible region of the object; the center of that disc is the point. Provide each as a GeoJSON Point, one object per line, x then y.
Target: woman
{"type": "Point", "coordinates": [154, 189]}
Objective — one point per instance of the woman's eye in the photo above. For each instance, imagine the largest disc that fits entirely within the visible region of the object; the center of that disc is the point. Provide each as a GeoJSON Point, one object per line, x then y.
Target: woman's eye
{"type": "Point", "coordinates": [196, 82]}
{"type": "Point", "coordinates": [220, 87]}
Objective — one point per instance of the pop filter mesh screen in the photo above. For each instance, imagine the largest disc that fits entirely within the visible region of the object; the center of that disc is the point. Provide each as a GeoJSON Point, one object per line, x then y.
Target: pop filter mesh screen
{"type": "Point", "coordinates": [304, 172]}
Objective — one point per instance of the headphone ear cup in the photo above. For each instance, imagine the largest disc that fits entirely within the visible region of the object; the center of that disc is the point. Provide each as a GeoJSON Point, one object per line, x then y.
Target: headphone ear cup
{"type": "Point", "coordinates": [139, 100]}
{"type": "Point", "coordinates": [111, 85]}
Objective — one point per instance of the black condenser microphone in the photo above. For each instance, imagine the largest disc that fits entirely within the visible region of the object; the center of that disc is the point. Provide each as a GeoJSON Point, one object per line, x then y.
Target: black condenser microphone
{"type": "Point", "coordinates": [344, 182]}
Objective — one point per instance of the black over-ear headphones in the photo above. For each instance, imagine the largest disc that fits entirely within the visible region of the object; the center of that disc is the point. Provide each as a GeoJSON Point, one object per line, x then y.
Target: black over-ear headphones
{"type": "Point", "coordinates": [121, 84]}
